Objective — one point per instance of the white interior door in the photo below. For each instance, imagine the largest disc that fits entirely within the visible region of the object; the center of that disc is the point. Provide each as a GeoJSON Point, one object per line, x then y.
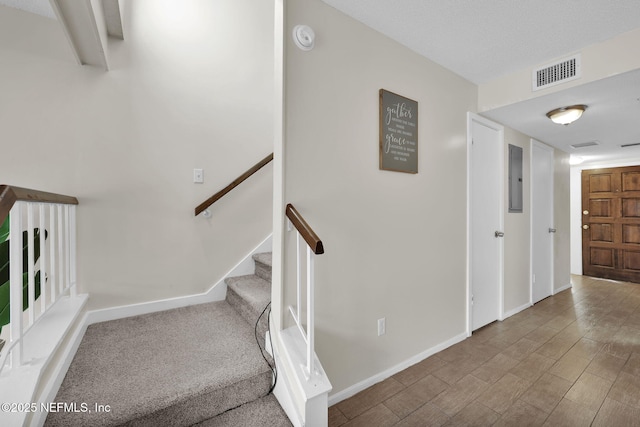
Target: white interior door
{"type": "Point", "coordinates": [486, 162]}
{"type": "Point", "coordinates": [542, 224]}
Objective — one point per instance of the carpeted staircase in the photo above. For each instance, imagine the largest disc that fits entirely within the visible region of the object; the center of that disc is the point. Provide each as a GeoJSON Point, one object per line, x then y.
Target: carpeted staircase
{"type": "Point", "coordinates": [197, 365]}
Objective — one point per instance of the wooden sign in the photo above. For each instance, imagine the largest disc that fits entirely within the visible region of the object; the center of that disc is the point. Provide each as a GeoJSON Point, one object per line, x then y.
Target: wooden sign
{"type": "Point", "coordinates": [398, 133]}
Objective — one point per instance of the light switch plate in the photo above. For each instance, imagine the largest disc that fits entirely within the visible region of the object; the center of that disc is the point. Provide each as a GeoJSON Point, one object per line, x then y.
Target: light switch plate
{"type": "Point", "coordinates": [198, 176]}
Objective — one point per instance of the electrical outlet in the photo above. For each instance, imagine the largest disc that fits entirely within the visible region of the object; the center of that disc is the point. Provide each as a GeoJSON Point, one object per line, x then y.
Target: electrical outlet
{"type": "Point", "coordinates": [382, 326]}
{"type": "Point", "coordinates": [198, 176]}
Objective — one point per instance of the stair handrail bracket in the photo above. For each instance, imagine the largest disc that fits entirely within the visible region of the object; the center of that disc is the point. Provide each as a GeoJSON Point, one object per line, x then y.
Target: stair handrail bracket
{"type": "Point", "coordinates": [314, 247]}
{"type": "Point", "coordinates": [41, 265]}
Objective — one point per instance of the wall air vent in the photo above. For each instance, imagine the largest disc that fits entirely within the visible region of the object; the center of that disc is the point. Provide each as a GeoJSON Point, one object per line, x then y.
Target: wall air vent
{"type": "Point", "coordinates": [630, 145]}
{"type": "Point", "coordinates": [585, 144]}
{"type": "Point", "coordinates": [559, 72]}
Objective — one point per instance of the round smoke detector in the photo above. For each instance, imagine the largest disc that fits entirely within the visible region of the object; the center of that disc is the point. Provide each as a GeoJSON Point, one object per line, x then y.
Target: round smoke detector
{"type": "Point", "coordinates": [304, 37]}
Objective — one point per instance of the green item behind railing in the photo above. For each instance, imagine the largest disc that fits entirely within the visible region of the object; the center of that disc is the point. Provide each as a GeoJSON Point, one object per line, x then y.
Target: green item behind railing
{"type": "Point", "coordinates": [5, 312]}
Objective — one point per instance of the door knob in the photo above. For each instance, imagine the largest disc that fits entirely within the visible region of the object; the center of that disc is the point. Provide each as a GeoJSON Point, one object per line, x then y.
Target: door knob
{"type": "Point", "coordinates": [585, 212]}
{"type": "Point", "coordinates": [499, 234]}
{"type": "Point", "coordinates": [586, 226]}
{"type": "Point", "coordinates": [552, 230]}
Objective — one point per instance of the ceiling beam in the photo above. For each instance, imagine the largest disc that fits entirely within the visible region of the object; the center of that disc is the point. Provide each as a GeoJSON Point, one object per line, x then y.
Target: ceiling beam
{"type": "Point", "coordinates": [87, 24]}
{"type": "Point", "coordinates": [113, 18]}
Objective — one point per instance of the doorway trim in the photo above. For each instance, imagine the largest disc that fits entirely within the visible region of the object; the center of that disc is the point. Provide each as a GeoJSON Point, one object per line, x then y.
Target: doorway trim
{"type": "Point", "coordinates": [545, 147]}
{"type": "Point", "coordinates": [473, 117]}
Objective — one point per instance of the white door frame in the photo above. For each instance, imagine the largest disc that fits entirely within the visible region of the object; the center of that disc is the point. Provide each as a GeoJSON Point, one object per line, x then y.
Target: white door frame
{"type": "Point", "coordinates": [471, 117]}
{"type": "Point", "coordinates": [535, 143]}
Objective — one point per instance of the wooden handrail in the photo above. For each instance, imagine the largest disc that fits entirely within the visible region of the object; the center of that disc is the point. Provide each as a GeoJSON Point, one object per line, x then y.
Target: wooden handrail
{"type": "Point", "coordinates": [10, 194]}
{"type": "Point", "coordinates": [305, 230]}
{"type": "Point", "coordinates": [211, 200]}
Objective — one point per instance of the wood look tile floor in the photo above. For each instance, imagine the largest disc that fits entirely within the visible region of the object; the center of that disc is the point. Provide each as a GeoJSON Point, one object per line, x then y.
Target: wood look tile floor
{"type": "Point", "coordinates": [572, 359]}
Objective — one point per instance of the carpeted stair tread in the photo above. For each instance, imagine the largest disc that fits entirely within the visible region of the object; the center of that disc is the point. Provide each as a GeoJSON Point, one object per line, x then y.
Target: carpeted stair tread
{"type": "Point", "coordinates": [177, 367]}
{"type": "Point", "coordinates": [264, 412]}
{"type": "Point", "coordinates": [263, 257]}
{"type": "Point", "coordinates": [249, 295]}
{"type": "Point", "coordinates": [255, 291]}
{"type": "Point", "coordinates": [263, 265]}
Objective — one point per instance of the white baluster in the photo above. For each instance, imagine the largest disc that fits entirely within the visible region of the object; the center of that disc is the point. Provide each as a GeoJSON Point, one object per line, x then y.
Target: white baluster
{"type": "Point", "coordinates": [72, 250]}
{"type": "Point", "coordinates": [61, 281]}
{"type": "Point", "coordinates": [67, 249]}
{"type": "Point", "coordinates": [31, 289]}
{"type": "Point", "coordinates": [53, 237]}
{"type": "Point", "coordinates": [15, 285]}
{"type": "Point", "coordinates": [43, 261]}
{"type": "Point", "coordinates": [310, 320]}
{"type": "Point", "coordinates": [298, 277]}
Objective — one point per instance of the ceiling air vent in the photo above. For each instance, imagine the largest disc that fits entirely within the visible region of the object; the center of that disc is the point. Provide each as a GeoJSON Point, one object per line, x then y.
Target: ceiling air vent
{"type": "Point", "coordinates": [630, 145]}
{"type": "Point", "coordinates": [560, 72]}
{"type": "Point", "coordinates": [585, 144]}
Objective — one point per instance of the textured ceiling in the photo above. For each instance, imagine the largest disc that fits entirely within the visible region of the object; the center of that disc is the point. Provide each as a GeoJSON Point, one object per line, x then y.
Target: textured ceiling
{"type": "Point", "coordinates": [611, 119]}
{"type": "Point", "coordinates": [484, 39]}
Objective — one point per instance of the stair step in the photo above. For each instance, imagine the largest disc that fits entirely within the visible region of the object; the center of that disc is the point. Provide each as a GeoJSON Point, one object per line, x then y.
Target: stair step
{"type": "Point", "coordinates": [263, 265]}
{"type": "Point", "coordinates": [249, 295]}
{"type": "Point", "coordinates": [176, 367]}
{"type": "Point", "coordinates": [265, 411]}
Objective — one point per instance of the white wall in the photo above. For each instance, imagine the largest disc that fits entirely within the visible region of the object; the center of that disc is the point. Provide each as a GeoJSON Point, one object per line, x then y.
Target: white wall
{"type": "Point", "coordinates": [395, 243]}
{"type": "Point", "coordinates": [187, 89]}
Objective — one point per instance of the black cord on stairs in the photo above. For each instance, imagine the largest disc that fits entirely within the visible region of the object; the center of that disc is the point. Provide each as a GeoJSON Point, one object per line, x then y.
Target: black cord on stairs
{"type": "Point", "coordinates": [273, 368]}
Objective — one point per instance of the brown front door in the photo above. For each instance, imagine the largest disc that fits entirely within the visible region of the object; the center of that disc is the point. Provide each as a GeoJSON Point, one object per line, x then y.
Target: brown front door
{"type": "Point", "coordinates": [611, 223]}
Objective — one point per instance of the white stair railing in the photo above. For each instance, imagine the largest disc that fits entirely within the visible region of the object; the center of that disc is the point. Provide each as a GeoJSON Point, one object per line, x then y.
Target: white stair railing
{"type": "Point", "coordinates": [48, 221]}
{"type": "Point", "coordinates": [314, 246]}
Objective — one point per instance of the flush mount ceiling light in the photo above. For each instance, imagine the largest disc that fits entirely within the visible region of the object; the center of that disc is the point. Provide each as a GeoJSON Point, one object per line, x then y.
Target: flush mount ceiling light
{"type": "Point", "coordinates": [575, 160]}
{"type": "Point", "coordinates": [304, 37]}
{"type": "Point", "coordinates": [566, 115]}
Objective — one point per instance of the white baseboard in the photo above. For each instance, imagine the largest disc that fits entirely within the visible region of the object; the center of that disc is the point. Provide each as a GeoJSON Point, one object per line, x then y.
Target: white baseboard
{"type": "Point", "coordinates": [362, 385]}
{"type": "Point", "coordinates": [517, 310]}
{"type": "Point", "coordinates": [563, 288]}
{"type": "Point", "coordinates": [217, 292]}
